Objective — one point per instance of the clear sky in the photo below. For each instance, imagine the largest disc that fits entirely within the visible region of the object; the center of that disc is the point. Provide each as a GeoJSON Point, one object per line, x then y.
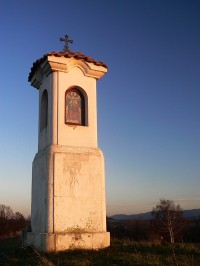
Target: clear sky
{"type": "Point", "coordinates": [148, 103]}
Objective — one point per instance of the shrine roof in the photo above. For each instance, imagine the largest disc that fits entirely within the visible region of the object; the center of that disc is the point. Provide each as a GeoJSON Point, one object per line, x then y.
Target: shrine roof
{"type": "Point", "coordinates": [68, 54]}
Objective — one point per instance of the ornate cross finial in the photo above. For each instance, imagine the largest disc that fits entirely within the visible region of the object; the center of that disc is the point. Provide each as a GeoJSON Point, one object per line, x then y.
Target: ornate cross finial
{"type": "Point", "coordinates": [66, 40]}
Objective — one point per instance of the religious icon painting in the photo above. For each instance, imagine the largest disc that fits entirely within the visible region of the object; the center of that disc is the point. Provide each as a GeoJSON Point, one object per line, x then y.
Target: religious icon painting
{"type": "Point", "coordinates": [73, 107]}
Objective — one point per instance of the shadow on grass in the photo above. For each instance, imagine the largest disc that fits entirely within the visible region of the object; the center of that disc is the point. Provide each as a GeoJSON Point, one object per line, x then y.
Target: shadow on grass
{"type": "Point", "coordinates": [119, 253]}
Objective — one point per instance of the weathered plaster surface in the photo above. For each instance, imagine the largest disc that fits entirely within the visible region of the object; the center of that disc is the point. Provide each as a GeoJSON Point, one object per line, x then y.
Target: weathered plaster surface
{"type": "Point", "coordinates": [78, 179]}
{"type": "Point", "coordinates": [60, 242]}
{"type": "Point", "coordinates": [68, 195]}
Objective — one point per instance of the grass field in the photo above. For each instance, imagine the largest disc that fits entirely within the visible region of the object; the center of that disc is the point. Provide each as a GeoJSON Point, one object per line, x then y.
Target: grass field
{"type": "Point", "coordinates": [119, 253]}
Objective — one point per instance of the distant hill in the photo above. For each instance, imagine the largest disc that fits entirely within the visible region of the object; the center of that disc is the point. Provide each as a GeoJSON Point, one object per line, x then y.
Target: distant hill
{"type": "Point", "coordinates": [188, 214]}
{"type": "Point", "coordinates": [192, 214]}
{"type": "Point", "coordinates": [140, 216]}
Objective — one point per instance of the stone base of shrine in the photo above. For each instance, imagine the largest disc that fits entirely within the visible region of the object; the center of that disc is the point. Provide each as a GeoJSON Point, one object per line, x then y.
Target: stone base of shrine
{"type": "Point", "coordinates": [66, 241]}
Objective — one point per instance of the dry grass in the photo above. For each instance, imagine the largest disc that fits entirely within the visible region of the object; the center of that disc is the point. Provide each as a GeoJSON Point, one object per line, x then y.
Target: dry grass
{"type": "Point", "coordinates": [119, 253]}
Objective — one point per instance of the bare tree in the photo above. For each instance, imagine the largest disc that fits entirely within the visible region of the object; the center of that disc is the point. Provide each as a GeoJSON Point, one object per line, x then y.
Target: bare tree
{"type": "Point", "coordinates": [169, 218]}
{"type": "Point", "coordinates": [5, 212]}
{"type": "Point", "coordinates": [19, 222]}
{"type": "Point", "coordinates": [10, 223]}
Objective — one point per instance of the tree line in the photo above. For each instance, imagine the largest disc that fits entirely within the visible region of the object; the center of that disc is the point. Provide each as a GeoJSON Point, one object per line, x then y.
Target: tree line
{"type": "Point", "coordinates": [11, 222]}
{"type": "Point", "coordinates": [167, 225]}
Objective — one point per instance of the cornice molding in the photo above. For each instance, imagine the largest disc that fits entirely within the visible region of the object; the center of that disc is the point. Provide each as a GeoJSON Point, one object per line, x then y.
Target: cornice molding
{"type": "Point", "coordinates": [62, 64]}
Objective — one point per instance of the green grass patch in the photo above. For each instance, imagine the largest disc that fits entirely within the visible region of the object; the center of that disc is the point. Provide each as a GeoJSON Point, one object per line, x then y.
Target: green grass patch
{"type": "Point", "coordinates": [119, 253]}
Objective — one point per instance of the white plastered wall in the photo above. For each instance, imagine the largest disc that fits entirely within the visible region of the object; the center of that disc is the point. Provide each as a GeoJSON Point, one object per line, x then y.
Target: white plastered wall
{"type": "Point", "coordinates": [72, 135]}
{"type": "Point", "coordinates": [57, 132]}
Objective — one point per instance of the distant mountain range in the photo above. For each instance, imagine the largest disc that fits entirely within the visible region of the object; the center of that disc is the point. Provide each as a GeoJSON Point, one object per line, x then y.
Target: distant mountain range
{"type": "Point", "coordinates": [188, 214]}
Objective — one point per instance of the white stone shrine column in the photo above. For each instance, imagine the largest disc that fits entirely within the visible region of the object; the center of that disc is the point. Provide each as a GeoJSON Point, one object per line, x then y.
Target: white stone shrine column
{"type": "Point", "coordinates": [68, 183]}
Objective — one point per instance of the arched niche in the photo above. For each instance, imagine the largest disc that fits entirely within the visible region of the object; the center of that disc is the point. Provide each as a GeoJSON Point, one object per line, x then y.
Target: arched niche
{"type": "Point", "coordinates": [44, 110]}
{"type": "Point", "coordinates": [75, 107]}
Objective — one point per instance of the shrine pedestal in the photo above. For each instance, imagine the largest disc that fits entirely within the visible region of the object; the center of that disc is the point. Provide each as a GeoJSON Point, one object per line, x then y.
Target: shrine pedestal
{"type": "Point", "coordinates": [68, 204]}
{"type": "Point", "coordinates": [64, 241]}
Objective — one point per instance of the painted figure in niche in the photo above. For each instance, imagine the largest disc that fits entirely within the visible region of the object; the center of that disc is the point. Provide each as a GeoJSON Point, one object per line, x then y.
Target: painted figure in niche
{"type": "Point", "coordinates": [73, 108]}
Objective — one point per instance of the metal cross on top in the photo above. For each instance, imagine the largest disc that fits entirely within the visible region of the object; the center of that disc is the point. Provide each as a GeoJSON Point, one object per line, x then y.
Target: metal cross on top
{"type": "Point", "coordinates": [66, 40]}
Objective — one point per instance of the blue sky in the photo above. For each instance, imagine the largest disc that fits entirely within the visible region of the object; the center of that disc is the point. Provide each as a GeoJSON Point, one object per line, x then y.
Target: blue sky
{"type": "Point", "coordinates": [148, 103]}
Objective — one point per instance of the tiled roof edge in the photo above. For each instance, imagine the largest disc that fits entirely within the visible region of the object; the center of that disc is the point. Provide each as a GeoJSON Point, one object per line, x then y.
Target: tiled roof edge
{"type": "Point", "coordinates": [68, 54]}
